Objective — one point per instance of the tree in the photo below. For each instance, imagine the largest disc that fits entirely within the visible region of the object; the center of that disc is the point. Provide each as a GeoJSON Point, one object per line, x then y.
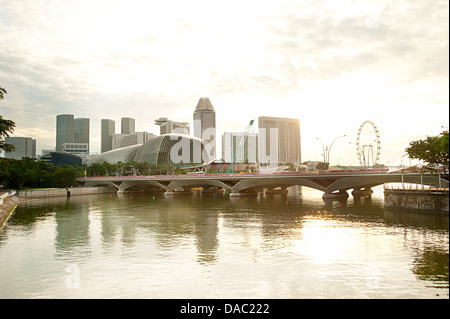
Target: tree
{"type": "Point", "coordinates": [65, 176]}
{"type": "Point", "coordinates": [432, 150]}
{"type": "Point", "coordinates": [2, 93]}
{"type": "Point", "coordinates": [6, 128]}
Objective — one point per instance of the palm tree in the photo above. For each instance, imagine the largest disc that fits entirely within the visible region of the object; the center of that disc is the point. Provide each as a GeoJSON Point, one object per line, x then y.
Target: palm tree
{"type": "Point", "coordinates": [2, 93]}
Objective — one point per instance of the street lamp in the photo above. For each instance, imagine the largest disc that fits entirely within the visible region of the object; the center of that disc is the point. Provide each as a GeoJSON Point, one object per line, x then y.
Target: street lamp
{"type": "Point", "coordinates": [329, 149]}
{"type": "Point", "coordinates": [401, 163]}
{"type": "Point", "coordinates": [323, 150]}
{"type": "Point", "coordinates": [326, 150]}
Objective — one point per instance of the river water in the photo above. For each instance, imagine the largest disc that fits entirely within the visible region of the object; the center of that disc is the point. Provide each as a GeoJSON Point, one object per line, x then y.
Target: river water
{"type": "Point", "coordinates": [140, 245]}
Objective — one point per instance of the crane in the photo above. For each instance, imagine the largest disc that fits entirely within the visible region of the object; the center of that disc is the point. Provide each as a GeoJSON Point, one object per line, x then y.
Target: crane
{"type": "Point", "coordinates": [232, 166]}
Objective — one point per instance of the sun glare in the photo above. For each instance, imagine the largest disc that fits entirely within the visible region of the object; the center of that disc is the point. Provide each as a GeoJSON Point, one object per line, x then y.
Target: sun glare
{"type": "Point", "coordinates": [322, 241]}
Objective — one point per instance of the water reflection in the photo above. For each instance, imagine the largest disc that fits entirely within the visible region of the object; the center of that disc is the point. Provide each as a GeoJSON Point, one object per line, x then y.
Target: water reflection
{"type": "Point", "coordinates": [262, 245]}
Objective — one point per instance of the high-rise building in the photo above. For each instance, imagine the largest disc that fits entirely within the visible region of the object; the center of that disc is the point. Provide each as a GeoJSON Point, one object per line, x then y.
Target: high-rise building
{"type": "Point", "coordinates": [64, 130]}
{"type": "Point", "coordinates": [247, 152]}
{"type": "Point", "coordinates": [167, 126]}
{"type": "Point", "coordinates": [76, 148]}
{"type": "Point", "coordinates": [81, 132]}
{"type": "Point", "coordinates": [205, 124]}
{"type": "Point", "coordinates": [108, 130]}
{"type": "Point", "coordinates": [127, 125]}
{"type": "Point", "coordinates": [285, 133]}
{"type": "Point", "coordinates": [25, 147]}
{"type": "Point", "coordinates": [71, 130]}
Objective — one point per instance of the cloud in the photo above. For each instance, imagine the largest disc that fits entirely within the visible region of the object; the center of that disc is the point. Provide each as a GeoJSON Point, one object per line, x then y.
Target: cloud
{"type": "Point", "coordinates": [324, 62]}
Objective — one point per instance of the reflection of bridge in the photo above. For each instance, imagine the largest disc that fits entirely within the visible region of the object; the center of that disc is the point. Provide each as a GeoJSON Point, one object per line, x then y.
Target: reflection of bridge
{"type": "Point", "coordinates": [333, 183]}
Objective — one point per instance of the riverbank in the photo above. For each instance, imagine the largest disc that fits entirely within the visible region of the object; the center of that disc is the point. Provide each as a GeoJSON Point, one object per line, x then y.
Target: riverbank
{"type": "Point", "coordinates": [72, 191]}
{"type": "Point", "coordinates": [8, 205]}
{"type": "Point", "coordinates": [419, 200]}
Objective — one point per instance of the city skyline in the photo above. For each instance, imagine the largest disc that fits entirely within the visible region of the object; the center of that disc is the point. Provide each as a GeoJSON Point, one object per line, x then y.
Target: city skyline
{"type": "Point", "coordinates": [332, 66]}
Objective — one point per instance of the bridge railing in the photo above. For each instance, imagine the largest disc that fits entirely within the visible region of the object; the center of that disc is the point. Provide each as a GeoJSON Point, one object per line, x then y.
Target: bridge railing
{"type": "Point", "coordinates": [413, 187]}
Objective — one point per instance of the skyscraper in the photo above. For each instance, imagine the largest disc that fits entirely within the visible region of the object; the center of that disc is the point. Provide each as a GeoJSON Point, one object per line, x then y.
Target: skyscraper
{"type": "Point", "coordinates": [71, 130]}
{"type": "Point", "coordinates": [81, 131]}
{"type": "Point", "coordinates": [167, 126]}
{"type": "Point", "coordinates": [64, 130]}
{"type": "Point", "coordinates": [285, 132]}
{"type": "Point", "coordinates": [108, 129]}
{"type": "Point", "coordinates": [25, 147]}
{"type": "Point", "coordinates": [127, 125]}
{"type": "Point", "coordinates": [205, 124]}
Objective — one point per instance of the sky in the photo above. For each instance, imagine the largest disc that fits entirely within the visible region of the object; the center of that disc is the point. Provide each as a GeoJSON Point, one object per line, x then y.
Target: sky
{"type": "Point", "coordinates": [331, 64]}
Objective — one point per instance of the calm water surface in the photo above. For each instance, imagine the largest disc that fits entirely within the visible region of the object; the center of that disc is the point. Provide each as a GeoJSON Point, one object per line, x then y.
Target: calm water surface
{"type": "Point", "coordinates": [210, 246]}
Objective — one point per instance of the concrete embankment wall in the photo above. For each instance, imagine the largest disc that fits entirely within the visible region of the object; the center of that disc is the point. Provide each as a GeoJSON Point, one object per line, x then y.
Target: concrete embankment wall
{"type": "Point", "coordinates": [432, 201]}
{"type": "Point", "coordinates": [52, 192]}
{"type": "Point", "coordinates": [7, 206]}
{"type": "Point", "coordinates": [9, 201]}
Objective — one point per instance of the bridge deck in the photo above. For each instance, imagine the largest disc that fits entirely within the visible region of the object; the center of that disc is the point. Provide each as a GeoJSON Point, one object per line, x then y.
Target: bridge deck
{"type": "Point", "coordinates": [327, 182]}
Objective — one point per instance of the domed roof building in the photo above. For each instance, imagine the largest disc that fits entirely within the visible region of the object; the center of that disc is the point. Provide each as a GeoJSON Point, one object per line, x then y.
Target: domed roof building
{"type": "Point", "coordinates": [168, 149]}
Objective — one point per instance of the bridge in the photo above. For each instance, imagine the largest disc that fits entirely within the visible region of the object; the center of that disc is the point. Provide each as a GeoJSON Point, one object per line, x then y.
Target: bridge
{"type": "Point", "coordinates": [334, 184]}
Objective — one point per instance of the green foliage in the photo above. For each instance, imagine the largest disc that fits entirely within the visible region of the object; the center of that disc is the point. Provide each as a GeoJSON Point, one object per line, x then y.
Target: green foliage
{"type": "Point", "coordinates": [6, 128]}
{"type": "Point", "coordinates": [432, 150]}
{"type": "Point", "coordinates": [30, 173]}
{"type": "Point", "coordinates": [2, 93]}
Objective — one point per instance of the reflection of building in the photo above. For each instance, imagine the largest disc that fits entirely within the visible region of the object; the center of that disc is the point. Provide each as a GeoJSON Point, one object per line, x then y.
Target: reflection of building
{"type": "Point", "coordinates": [71, 130]}
{"type": "Point", "coordinates": [25, 147]}
{"type": "Point", "coordinates": [285, 132]}
{"type": "Point", "coordinates": [205, 123]}
{"type": "Point", "coordinates": [167, 126]}
{"type": "Point", "coordinates": [248, 152]}
{"type": "Point", "coordinates": [108, 129]}
{"type": "Point", "coordinates": [174, 149]}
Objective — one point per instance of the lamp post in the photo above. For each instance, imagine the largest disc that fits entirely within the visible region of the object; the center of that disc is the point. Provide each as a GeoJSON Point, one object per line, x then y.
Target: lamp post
{"type": "Point", "coordinates": [323, 150]}
{"type": "Point", "coordinates": [326, 150]}
{"type": "Point", "coordinates": [401, 164]}
{"type": "Point", "coordinates": [329, 149]}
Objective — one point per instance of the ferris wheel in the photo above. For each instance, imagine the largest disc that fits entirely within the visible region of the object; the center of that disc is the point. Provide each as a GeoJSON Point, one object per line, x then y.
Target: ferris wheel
{"type": "Point", "coordinates": [360, 149]}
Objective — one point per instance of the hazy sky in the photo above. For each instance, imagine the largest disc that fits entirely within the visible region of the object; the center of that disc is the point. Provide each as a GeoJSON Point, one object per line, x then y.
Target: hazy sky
{"type": "Point", "coordinates": [332, 64]}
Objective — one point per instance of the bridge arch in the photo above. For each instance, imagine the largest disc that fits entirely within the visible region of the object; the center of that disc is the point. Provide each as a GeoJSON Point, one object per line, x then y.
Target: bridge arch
{"type": "Point", "coordinates": [338, 184]}
{"type": "Point", "coordinates": [196, 183]}
{"type": "Point", "coordinates": [248, 184]}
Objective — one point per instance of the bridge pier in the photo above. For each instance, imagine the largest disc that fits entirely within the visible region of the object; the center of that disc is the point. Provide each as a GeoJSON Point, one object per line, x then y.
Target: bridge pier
{"type": "Point", "coordinates": [272, 191]}
{"type": "Point", "coordinates": [213, 190]}
{"type": "Point", "coordinates": [243, 193]}
{"type": "Point", "coordinates": [177, 191]}
{"type": "Point", "coordinates": [367, 191]}
{"type": "Point", "coordinates": [342, 194]}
